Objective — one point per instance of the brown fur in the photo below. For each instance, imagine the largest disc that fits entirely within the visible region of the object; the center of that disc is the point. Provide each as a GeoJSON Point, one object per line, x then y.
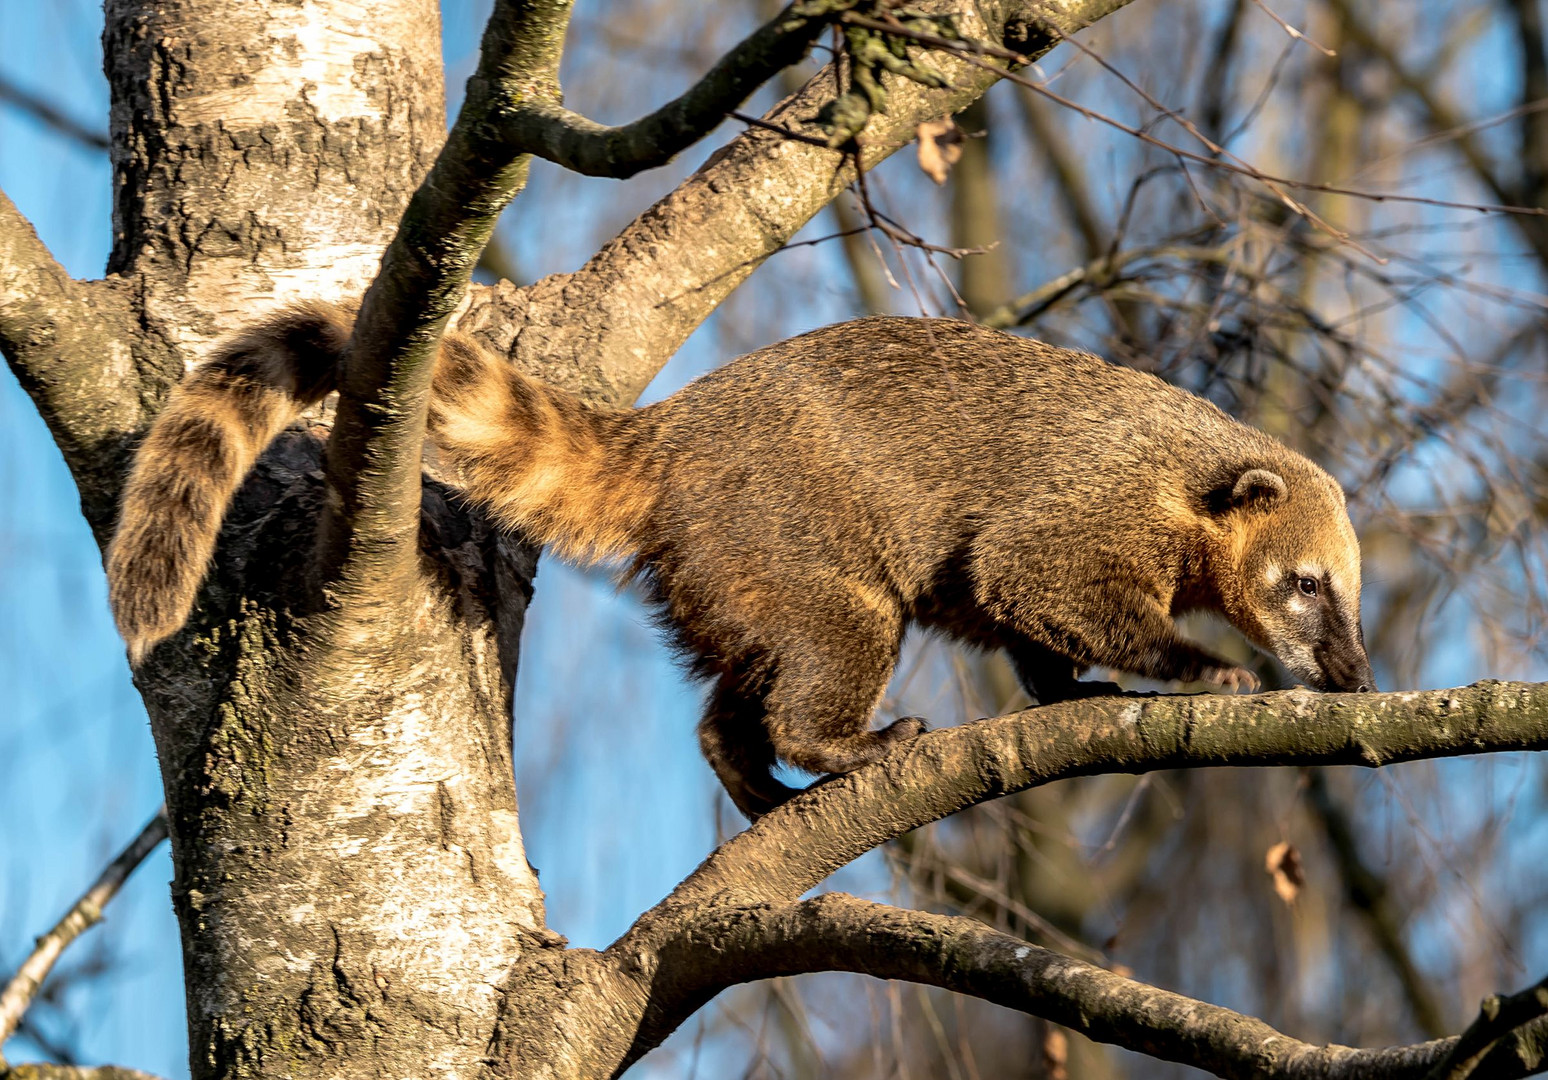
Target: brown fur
{"type": "Point", "coordinates": [796, 510]}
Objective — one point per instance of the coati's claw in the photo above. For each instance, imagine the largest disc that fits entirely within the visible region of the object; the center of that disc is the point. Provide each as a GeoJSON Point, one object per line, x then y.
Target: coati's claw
{"type": "Point", "coordinates": [1230, 678]}
{"type": "Point", "coordinates": [902, 730]}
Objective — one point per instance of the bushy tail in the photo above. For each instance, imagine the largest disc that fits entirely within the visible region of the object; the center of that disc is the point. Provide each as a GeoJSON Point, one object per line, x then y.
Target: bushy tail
{"type": "Point", "coordinates": [578, 479]}
{"type": "Point", "coordinates": [545, 463]}
{"type": "Point", "coordinates": [206, 438]}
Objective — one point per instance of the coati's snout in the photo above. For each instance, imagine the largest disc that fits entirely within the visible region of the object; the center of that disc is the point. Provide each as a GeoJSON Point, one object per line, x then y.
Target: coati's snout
{"type": "Point", "coordinates": [1301, 577]}
{"type": "Point", "coordinates": [1317, 635]}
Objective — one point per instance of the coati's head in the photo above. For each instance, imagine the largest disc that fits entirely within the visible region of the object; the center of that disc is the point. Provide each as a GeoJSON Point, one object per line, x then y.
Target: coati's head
{"type": "Point", "coordinates": [1294, 573]}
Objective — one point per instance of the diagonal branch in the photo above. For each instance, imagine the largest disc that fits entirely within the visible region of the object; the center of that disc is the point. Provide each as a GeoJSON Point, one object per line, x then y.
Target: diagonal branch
{"type": "Point", "coordinates": [549, 130]}
{"type": "Point", "coordinates": [795, 847]}
{"type": "Point", "coordinates": [370, 530]}
{"type": "Point", "coordinates": [647, 290]}
{"type": "Point", "coordinates": [837, 932]}
{"type": "Point", "coordinates": [739, 916]}
{"type": "Point", "coordinates": [1495, 1044]}
{"type": "Point", "coordinates": [45, 113]}
{"type": "Point", "coordinates": [83, 914]}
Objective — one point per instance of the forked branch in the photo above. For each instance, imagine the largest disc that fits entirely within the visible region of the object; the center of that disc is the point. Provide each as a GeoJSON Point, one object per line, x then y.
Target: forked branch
{"type": "Point", "coordinates": [837, 932]}
{"type": "Point", "coordinates": [740, 915]}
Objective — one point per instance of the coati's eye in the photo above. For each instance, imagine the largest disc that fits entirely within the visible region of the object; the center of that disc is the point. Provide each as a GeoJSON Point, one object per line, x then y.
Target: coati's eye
{"type": "Point", "coordinates": [1307, 585]}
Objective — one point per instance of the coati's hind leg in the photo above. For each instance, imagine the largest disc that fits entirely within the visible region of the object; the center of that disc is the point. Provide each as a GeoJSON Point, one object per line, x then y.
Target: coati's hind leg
{"type": "Point", "coordinates": [734, 739]}
{"type": "Point", "coordinates": [827, 676]}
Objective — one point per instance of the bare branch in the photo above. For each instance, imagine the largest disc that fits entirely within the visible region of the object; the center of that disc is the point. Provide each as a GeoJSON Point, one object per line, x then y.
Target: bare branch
{"type": "Point", "coordinates": [1295, 35]}
{"type": "Point", "coordinates": [69, 345]}
{"type": "Point", "coordinates": [512, 110]}
{"type": "Point", "coordinates": [794, 848]}
{"type": "Point", "coordinates": [837, 932]}
{"type": "Point", "coordinates": [84, 914]}
{"type": "Point", "coordinates": [1439, 115]}
{"type": "Point", "coordinates": [547, 129]}
{"type": "Point", "coordinates": [1217, 153]}
{"type": "Point", "coordinates": [662, 276]}
{"type": "Point", "coordinates": [370, 532]}
{"type": "Point", "coordinates": [1487, 1048]}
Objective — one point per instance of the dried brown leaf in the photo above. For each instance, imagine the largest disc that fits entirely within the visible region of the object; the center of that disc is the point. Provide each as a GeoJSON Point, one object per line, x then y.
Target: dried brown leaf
{"type": "Point", "coordinates": [940, 147]}
{"type": "Point", "coordinates": [1283, 863]}
{"type": "Point", "coordinates": [1056, 1054]}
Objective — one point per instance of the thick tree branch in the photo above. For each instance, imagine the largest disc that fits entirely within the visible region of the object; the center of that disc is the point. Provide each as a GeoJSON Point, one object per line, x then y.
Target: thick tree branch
{"type": "Point", "coordinates": [69, 345]}
{"type": "Point", "coordinates": [836, 932]}
{"type": "Point", "coordinates": [1499, 1042]}
{"type": "Point", "coordinates": [370, 532]}
{"type": "Point", "coordinates": [794, 848]}
{"type": "Point", "coordinates": [83, 914]}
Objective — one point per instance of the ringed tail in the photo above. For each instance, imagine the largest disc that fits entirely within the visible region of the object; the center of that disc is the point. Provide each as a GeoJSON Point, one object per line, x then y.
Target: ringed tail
{"type": "Point", "coordinates": [538, 457]}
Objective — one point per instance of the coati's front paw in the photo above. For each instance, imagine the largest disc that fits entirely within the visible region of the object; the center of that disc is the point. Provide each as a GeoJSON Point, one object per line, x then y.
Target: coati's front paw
{"type": "Point", "coordinates": [1230, 678]}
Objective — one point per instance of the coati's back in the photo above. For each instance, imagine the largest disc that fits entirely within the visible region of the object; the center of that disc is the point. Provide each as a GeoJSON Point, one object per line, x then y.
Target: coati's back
{"type": "Point", "coordinates": [886, 442]}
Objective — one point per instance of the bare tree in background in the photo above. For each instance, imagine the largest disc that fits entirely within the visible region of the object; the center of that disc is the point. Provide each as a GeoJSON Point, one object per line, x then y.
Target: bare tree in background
{"type": "Point", "coordinates": [334, 728]}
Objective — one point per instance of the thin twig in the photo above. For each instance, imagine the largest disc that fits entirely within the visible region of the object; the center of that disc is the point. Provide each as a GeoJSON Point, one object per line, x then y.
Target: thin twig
{"type": "Point", "coordinates": [971, 52]}
{"type": "Point", "coordinates": [1295, 34]}
{"type": "Point", "coordinates": [46, 113]}
{"type": "Point", "coordinates": [86, 912]}
{"type": "Point", "coordinates": [759, 122]}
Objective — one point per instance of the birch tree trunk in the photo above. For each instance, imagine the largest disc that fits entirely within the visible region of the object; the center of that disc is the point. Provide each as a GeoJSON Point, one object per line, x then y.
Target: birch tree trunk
{"type": "Point", "coordinates": [350, 878]}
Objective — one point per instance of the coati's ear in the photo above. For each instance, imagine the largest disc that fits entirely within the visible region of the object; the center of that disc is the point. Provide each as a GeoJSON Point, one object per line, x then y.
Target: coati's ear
{"type": "Point", "coordinates": [1257, 487]}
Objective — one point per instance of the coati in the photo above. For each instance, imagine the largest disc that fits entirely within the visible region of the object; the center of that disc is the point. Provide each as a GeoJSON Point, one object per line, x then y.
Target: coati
{"type": "Point", "coordinates": [792, 512]}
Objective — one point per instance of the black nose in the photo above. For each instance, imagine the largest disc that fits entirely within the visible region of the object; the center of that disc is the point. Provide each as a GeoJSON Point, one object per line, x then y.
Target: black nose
{"type": "Point", "coordinates": [1360, 680]}
{"type": "Point", "coordinates": [1352, 676]}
